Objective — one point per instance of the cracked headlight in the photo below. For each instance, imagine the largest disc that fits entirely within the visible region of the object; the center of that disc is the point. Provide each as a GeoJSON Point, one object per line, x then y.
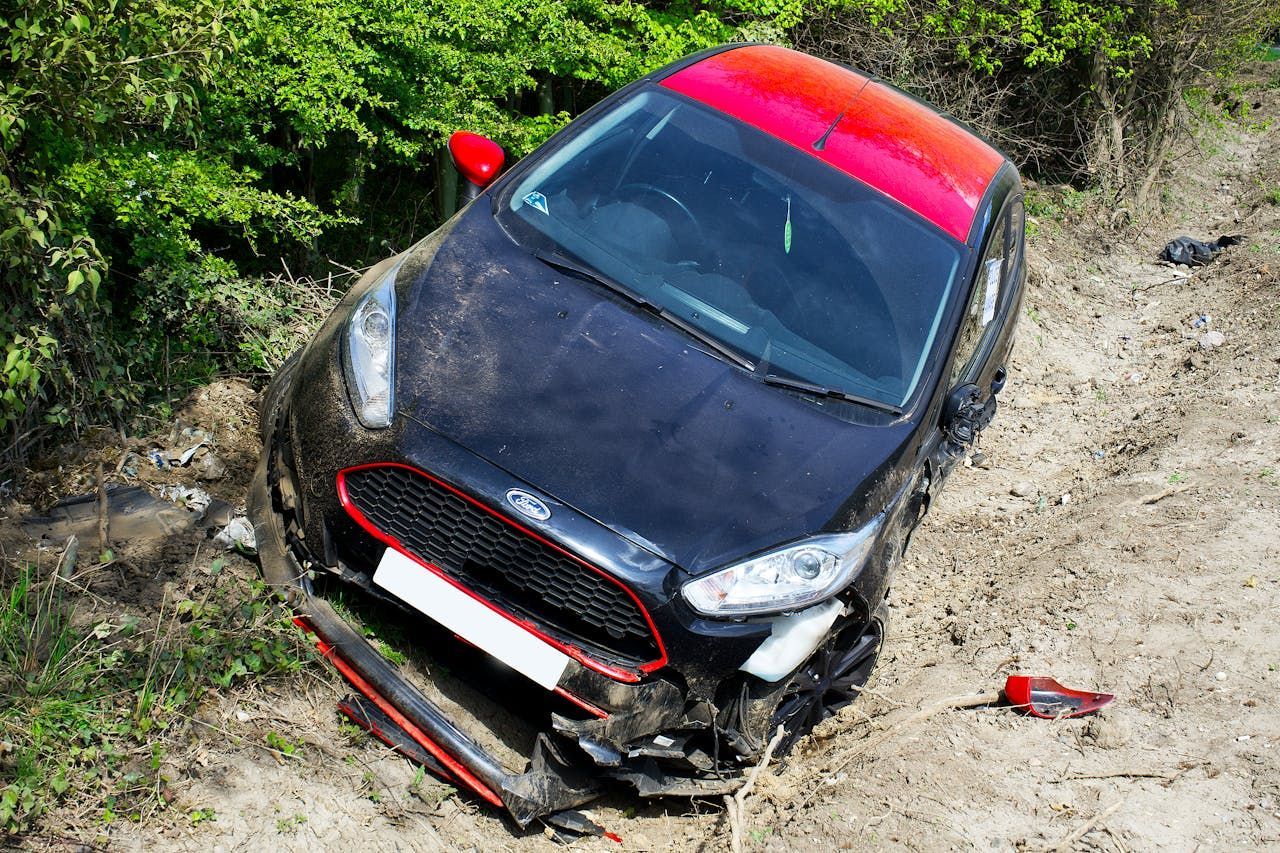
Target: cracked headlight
{"type": "Point", "coordinates": [369, 349]}
{"type": "Point", "coordinates": [789, 578]}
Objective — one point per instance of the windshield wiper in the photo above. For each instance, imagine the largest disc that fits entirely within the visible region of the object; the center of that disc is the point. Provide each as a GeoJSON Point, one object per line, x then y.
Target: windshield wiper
{"type": "Point", "coordinates": [560, 262]}
{"type": "Point", "coordinates": [553, 259]}
{"type": "Point", "coordinates": [822, 391]}
{"type": "Point", "coordinates": [702, 337]}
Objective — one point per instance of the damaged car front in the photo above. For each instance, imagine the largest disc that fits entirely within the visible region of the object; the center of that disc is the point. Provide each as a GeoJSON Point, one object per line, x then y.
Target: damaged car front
{"type": "Point", "coordinates": [649, 424]}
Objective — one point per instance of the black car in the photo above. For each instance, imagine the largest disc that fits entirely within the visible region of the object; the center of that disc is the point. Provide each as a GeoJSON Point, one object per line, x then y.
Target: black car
{"type": "Point", "coordinates": [650, 422]}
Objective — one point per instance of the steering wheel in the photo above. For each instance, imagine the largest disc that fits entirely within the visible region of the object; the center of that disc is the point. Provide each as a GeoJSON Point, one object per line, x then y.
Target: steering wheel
{"type": "Point", "coordinates": [690, 236]}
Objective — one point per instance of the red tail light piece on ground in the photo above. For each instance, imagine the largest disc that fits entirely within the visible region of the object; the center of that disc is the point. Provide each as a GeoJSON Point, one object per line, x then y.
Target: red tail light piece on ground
{"type": "Point", "coordinates": [1041, 696]}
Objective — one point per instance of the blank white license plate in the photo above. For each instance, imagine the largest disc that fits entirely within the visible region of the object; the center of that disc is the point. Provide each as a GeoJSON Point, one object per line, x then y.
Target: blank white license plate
{"type": "Point", "coordinates": [470, 619]}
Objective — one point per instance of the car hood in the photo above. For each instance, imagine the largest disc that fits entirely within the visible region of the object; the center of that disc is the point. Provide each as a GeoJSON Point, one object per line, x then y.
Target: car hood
{"type": "Point", "coordinates": [604, 407]}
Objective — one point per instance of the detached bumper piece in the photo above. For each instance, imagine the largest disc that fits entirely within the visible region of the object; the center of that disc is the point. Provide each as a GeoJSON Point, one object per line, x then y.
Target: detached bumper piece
{"type": "Point", "coordinates": [635, 732]}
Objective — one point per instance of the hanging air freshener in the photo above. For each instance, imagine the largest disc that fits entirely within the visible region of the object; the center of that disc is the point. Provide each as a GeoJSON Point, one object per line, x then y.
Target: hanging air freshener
{"type": "Point", "coordinates": [786, 230]}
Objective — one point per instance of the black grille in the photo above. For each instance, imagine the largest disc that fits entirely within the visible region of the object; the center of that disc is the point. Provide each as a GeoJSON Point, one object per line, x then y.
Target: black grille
{"type": "Point", "coordinates": [516, 572]}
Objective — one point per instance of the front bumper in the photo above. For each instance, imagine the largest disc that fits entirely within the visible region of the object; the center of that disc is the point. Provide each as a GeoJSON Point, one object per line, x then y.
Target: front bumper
{"type": "Point", "coordinates": [659, 732]}
{"type": "Point", "coordinates": [556, 778]}
{"type": "Point", "coordinates": [687, 726]}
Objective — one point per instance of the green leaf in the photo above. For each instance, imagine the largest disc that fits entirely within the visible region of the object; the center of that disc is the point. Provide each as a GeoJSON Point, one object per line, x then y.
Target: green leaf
{"type": "Point", "coordinates": [74, 279]}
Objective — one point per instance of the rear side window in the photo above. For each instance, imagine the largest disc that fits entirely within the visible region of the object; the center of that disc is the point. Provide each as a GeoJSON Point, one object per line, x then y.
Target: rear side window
{"type": "Point", "coordinates": [994, 276]}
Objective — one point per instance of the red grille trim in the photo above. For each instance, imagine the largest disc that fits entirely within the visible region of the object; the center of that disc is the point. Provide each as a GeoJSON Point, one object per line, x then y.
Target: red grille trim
{"type": "Point", "coordinates": [614, 672]}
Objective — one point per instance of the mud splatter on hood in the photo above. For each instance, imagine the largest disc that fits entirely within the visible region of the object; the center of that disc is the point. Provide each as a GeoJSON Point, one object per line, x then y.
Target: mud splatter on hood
{"type": "Point", "coordinates": [614, 412]}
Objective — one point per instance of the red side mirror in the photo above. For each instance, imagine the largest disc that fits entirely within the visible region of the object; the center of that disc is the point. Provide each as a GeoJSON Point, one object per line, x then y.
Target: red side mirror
{"type": "Point", "coordinates": [478, 158]}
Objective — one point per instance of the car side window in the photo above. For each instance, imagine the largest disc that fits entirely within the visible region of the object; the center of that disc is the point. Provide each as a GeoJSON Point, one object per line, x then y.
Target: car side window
{"type": "Point", "coordinates": [981, 308]}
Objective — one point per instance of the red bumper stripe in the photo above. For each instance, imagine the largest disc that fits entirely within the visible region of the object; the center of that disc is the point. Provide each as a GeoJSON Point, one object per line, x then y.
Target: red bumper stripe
{"type": "Point", "coordinates": [358, 681]}
{"type": "Point", "coordinates": [582, 703]}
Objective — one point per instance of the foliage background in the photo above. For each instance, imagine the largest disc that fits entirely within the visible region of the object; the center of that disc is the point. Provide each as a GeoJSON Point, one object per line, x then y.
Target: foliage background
{"type": "Point", "coordinates": [162, 160]}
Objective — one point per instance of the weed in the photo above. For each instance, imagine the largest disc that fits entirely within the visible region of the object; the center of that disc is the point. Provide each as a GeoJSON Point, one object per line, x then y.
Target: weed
{"type": "Point", "coordinates": [199, 816]}
{"type": "Point", "coordinates": [281, 744]}
{"type": "Point", "coordinates": [289, 824]}
{"type": "Point", "coordinates": [1041, 204]}
{"type": "Point", "coordinates": [391, 654]}
{"type": "Point", "coordinates": [350, 730]}
{"type": "Point", "coordinates": [432, 795]}
{"type": "Point", "coordinates": [380, 631]}
{"type": "Point", "coordinates": [1177, 477]}
{"type": "Point", "coordinates": [369, 781]}
{"type": "Point", "coordinates": [1034, 316]}
{"type": "Point", "coordinates": [89, 707]}
{"type": "Point", "coordinates": [1052, 204]}
{"type": "Point", "coordinates": [1273, 196]}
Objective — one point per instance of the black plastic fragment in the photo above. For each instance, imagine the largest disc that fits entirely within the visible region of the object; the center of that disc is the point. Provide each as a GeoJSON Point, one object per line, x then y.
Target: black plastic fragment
{"type": "Point", "coordinates": [1194, 253]}
{"type": "Point", "coordinates": [574, 821]}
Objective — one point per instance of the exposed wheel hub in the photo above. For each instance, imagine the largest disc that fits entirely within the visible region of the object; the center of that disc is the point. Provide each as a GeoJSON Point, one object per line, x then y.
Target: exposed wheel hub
{"type": "Point", "coordinates": [831, 679]}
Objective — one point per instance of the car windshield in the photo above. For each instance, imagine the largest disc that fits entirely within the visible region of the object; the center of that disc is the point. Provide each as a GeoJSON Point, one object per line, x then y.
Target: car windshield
{"type": "Point", "coordinates": [804, 271]}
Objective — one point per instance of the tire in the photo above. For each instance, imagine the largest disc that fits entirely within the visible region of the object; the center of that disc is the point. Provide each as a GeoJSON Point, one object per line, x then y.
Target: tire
{"type": "Point", "coordinates": [754, 710]}
{"type": "Point", "coordinates": [273, 396]}
{"type": "Point", "coordinates": [831, 679]}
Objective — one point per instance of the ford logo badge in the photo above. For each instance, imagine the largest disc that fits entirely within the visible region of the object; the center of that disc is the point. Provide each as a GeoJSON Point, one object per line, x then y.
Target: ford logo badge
{"type": "Point", "coordinates": [527, 504]}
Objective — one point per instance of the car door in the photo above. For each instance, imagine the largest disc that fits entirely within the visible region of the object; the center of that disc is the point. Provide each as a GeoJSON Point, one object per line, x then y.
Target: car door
{"type": "Point", "coordinates": [979, 360]}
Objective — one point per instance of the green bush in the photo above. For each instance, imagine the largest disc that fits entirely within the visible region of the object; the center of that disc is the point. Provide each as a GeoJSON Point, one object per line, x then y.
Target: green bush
{"type": "Point", "coordinates": [159, 160]}
{"type": "Point", "coordinates": [108, 188]}
{"type": "Point", "coordinates": [1083, 90]}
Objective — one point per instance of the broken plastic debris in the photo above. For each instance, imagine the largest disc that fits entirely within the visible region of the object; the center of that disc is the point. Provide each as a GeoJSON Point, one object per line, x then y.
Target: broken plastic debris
{"type": "Point", "coordinates": [237, 534]}
{"type": "Point", "coordinates": [210, 467]}
{"type": "Point", "coordinates": [187, 455]}
{"type": "Point", "coordinates": [1041, 696]}
{"type": "Point", "coordinates": [576, 822]}
{"type": "Point", "coordinates": [1212, 339]}
{"type": "Point", "coordinates": [132, 514]}
{"type": "Point", "coordinates": [194, 499]}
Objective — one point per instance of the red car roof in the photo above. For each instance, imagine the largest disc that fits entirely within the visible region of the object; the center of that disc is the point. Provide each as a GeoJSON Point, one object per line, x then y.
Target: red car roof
{"type": "Point", "coordinates": [886, 139]}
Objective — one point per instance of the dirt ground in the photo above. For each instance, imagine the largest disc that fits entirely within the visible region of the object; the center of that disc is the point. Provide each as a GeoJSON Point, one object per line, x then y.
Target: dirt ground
{"type": "Point", "coordinates": [1122, 534]}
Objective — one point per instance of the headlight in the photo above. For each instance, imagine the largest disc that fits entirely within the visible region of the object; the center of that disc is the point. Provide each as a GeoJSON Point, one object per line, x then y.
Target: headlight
{"type": "Point", "coordinates": [787, 579]}
{"type": "Point", "coordinates": [369, 353]}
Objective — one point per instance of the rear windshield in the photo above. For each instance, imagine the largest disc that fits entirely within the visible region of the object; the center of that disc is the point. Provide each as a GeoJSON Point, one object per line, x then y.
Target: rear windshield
{"type": "Point", "coordinates": [804, 271]}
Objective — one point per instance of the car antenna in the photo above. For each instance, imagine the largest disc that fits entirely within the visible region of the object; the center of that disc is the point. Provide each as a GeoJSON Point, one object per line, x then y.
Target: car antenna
{"type": "Point", "coordinates": [821, 142]}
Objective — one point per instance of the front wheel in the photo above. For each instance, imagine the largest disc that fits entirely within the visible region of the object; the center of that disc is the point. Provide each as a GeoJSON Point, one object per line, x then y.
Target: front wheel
{"type": "Point", "coordinates": [832, 678]}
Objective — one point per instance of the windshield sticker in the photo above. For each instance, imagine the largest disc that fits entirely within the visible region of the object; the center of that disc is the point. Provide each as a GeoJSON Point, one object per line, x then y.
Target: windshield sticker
{"type": "Point", "coordinates": [786, 230]}
{"type": "Point", "coordinates": [992, 292]}
{"type": "Point", "coordinates": [537, 201]}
